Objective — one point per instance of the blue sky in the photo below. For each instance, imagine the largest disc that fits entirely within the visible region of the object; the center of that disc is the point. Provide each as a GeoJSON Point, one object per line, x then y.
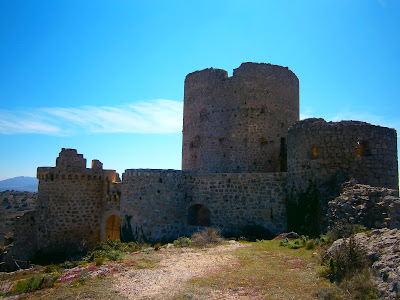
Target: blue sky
{"type": "Point", "coordinates": [106, 77]}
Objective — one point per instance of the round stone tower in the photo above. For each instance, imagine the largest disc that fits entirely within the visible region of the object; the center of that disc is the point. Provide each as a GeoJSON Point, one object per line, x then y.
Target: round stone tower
{"type": "Point", "coordinates": [239, 124]}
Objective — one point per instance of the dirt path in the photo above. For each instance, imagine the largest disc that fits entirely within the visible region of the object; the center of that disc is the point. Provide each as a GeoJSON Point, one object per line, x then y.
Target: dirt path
{"type": "Point", "coordinates": [176, 267]}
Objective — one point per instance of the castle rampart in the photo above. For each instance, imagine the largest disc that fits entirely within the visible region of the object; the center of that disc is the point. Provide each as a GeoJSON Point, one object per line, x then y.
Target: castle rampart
{"type": "Point", "coordinates": [239, 124]}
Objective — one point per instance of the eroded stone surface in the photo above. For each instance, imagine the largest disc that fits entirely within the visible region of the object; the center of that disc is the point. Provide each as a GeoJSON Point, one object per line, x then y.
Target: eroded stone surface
{"type": "Point", "coordinates": [373, 207]}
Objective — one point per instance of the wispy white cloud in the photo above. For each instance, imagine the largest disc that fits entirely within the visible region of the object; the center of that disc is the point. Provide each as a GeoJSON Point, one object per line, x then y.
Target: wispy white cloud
{"type": "Point", "coordinates": [157, 116]}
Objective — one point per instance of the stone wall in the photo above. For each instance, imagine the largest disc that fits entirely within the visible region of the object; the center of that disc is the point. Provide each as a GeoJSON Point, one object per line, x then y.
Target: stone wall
{"type": "Point", "coordinates": [165, 204]}
{"type": "Point", "coordinates": [152, 205]}
{"type": "Point", "coordinates": [239, 123]}
{"type": "Point", "coordinates": [237, 202]}
{"type": "Point", "coordinates": [319, 150]}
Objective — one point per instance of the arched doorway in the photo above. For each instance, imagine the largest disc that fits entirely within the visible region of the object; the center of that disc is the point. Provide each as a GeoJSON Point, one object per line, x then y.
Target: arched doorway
{"type": "Point", "coordinates": [112, 228]}
{"type": "Point", "coordinates": [199, 215]}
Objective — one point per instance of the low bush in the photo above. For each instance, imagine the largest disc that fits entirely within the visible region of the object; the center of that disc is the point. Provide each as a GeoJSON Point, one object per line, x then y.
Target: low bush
{"type": "Point", "coordinates": [208, 236]}
{"type": "Point", "coordinates": [112, 250]}
{"type": "Point", "coordinates": [347, 264]}
{"type": "Point", "coordinates": [344, 230]}
{"type": "Point", "coordinates": [99, 260]}
{"type": "Point", "coordinates": [346, 260]}
{"type": "Point", "coordinates": [182, 241]}
{"type": "Point", "coordinates": [34, 283]}
{"type": "Point", "coordinates": [310, 245]}
{"type": "Point", "coordinates": [284, 242]}
{"type": "Point", "coordinates": [296, 244]}
{"type": "Point", "coordinates": [51, 269]}
{"type": "Point", "coordinates": [157, 246]}
{"type": "Point", "coordinates": [69, 264]}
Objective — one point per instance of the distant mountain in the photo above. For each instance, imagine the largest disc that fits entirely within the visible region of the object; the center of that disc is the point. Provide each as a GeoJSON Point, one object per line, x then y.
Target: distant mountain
{"type": "Point", "coordinates": [20, 183]}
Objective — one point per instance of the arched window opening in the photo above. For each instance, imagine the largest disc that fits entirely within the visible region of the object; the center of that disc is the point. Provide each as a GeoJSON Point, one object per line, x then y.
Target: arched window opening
{"type": "Point", "coordinates": [199, 215]}
{"type": "Point", "coordinates": [112, 228]}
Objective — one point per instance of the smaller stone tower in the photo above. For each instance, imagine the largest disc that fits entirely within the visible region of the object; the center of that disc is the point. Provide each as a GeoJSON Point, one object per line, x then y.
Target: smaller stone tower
{"type": "Point", "coordinates": [73, 203]}
{"type": "Point", "coordinates": [319, 151]}
{"type": "Point", "coordinates": [239, 124]}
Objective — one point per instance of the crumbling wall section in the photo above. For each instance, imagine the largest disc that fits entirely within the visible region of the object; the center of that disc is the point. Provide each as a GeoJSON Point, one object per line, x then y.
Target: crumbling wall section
{"type": "Point", "coordinates": [238, 124]}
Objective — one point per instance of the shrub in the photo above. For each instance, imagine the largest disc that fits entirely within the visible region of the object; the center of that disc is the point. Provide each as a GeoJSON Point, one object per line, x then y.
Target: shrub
{"type": "Point", "coordinates": [157, 246]}
{"type": "Point", "coordinates": [112, 250]}
{"type": "Point", "coordinates": [207, 237]}
{"type": "Point", "coordinates": [344, 230]}
{"type": "Point", "coordinates": [296, 244]}
{"type": "Point", "coordinates": [310, 245]}
{"type": "Point", "coordinates": [29, 285]}
{"type": "Point", "coordinates": [49, 280]}
{"type": "Point", "coordinates": [51, 269]}
{"type": "Point", "coordinates": [284, 242]}
{"type": "Point", "coordinates": [346, 260]}
{"type": "Point", "coordinates": [182, 241]}
{"type": "Point", "coordinates": [99, 260]}
{"type": "Point", "coordinates": [69, 264]}
{"type": "Point", "coordinates": [361, 286]}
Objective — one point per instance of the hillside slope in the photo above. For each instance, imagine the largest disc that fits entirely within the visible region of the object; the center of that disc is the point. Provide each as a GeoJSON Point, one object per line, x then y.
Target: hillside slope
{"type": "Point", "coordinates": [20, 183]}
{"type": "Point", "coordinates": [12, 205]}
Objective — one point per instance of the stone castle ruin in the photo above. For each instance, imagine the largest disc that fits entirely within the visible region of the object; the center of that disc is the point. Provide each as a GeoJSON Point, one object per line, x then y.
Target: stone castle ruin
{"type": "Point", "coordinates": [246, 157]}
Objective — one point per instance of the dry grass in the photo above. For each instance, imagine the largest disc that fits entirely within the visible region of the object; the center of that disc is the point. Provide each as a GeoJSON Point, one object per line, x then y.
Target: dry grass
{"type": "Point", "coordinates": [264, 271]}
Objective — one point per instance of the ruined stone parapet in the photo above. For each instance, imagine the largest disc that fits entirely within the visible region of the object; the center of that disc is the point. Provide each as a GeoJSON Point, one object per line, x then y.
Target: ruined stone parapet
{"type": "Point", "coordinates": [69, 159]}
{"type": "Point", "coordinates": [239, 123]}
{"type": "Point", "coordinates": [72, 166]}
{"type": "Point", "coordinates": [319, 150]}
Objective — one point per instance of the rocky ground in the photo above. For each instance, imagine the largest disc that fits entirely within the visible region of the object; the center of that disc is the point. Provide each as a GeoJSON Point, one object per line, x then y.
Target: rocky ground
{"type": "Point", "coordinates": [383, 247]}
{"type": "Point", "coordinates": [373, 207]}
